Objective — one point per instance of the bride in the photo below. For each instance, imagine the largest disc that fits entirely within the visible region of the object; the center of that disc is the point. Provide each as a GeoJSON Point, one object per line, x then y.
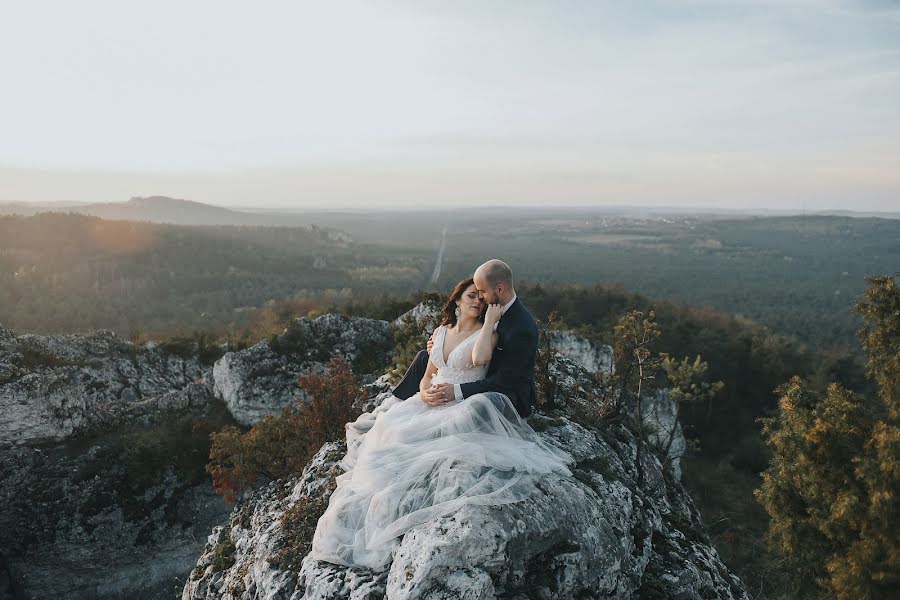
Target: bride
{"type": "Point", "coordinates": [421, 461]}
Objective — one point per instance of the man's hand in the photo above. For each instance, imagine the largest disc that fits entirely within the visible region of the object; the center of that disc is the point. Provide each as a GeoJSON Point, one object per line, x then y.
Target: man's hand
{"type": "Point", "coordinates": [439, 393]}
{"type": "Point", "coordinates": [430, 343]}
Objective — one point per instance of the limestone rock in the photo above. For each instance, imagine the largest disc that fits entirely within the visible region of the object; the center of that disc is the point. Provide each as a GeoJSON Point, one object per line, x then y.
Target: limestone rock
{"type": "Point", "coordinates": [262, 379]}
{"type": "Point", "coordinates": [113, 515]}
{"type": "Point", "coordinates": [96, 500]}
{"type": "Point", "coordinates": [52, 386]}
{"type": "Point", "coordinates": [425, 315]}
{"type": "Point", "coordinates": [595, 358]}
{"type": "Point", "coordinates": [599, 533]}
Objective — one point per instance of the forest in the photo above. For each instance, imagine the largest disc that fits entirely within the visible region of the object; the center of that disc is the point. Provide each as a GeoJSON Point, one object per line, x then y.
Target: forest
{"type": "Point", "coordinates": [69, 273]}
{"type": "Point", "coordinates": [796, 275]}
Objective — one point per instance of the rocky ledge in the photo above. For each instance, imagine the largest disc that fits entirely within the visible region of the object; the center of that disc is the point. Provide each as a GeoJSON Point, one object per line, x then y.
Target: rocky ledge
{"type": "Point", "coordinates": [597, 534]}
{"type": "Point", "coordinates": [103, 442]}
{"type": "Point", "coordinates": [262, 379]}
{"type": "Point", "coordinates": [53, 386]}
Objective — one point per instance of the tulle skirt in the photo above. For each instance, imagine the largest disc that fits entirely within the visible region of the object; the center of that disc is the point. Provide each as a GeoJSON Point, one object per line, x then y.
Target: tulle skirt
{"type": "Point", "coordinates": [419, 462]}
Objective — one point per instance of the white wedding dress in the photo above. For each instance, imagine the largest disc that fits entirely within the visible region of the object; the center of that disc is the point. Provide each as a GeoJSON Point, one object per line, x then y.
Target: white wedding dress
{"type": "Point", "coordinates": [419, 462]}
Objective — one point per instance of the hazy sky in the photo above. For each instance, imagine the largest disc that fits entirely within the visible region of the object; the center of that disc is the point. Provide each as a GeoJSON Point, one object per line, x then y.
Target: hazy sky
{"type": "Point", "coordinates": [751, 103]}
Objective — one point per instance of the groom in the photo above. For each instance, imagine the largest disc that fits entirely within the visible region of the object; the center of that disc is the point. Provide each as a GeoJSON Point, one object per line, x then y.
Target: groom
{"type": "Point", "coordinates": [511, 370]}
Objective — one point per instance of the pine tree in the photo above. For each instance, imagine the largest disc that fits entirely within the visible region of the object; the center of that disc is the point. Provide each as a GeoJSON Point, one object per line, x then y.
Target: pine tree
{"type": "Point", "coordinates": [833, 486]}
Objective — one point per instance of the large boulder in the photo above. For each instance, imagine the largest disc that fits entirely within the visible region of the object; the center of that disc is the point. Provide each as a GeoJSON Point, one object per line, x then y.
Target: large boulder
{"type": "Point", "coordinates": [603, 532]}
{"type": "Point", "coordinates": [426, 316]}
{"type": "Point", "coordinates": [597, 358]}
{"type": "Point", "coordinates": [262, 379]}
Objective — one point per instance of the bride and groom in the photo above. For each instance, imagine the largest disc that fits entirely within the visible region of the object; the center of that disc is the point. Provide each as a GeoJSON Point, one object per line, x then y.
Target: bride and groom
{"type": "Point", "coordinates": [452, 433]}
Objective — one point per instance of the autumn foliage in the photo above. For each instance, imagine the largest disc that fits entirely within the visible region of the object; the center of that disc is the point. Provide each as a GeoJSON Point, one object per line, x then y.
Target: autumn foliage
{"type": "Point", "coordinates": [279, 446]}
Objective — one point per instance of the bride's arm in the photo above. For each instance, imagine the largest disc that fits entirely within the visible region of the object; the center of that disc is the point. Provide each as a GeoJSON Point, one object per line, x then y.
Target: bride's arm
{"type": "Point", "coordinates": [487, 337]}
{"type": "Point", "coordinates": [430, 370]}
{"type": "Point", "coordinates": [484, 347]}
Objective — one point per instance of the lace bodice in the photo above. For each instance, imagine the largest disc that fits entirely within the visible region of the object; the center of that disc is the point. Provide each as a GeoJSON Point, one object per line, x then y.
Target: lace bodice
{"type": "Point", "coordinates": [459, 367]}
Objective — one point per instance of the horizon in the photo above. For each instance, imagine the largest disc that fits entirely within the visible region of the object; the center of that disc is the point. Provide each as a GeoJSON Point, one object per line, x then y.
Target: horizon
{"type": "Point", "coordinates": [706, 104]}
{"type": "Point", "coordinates": [660, 209]}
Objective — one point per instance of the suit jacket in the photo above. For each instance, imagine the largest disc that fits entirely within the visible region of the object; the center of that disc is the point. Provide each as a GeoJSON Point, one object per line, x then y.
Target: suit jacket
{"type": "Point", "coordinates": [511, 370]}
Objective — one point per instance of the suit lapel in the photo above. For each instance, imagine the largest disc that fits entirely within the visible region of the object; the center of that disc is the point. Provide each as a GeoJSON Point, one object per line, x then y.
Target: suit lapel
{"type": "Point", "coordinates": [502, 326]}
{"type": "Point", "coordinates": [508, 317]}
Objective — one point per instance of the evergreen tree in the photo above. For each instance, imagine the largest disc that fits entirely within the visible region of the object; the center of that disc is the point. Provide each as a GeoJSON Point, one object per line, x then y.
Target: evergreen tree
{"type": "Point", "coordinates": [833, 486]}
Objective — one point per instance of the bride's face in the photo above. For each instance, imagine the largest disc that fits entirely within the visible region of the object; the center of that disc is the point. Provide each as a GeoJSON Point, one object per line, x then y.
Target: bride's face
{"type": "Point", "coordinates": [469, 303]}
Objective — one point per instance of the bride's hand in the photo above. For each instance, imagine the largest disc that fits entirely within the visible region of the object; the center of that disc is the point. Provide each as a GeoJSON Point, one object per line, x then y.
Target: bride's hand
{"type": "Point", "coordinates": [430, 343]}
{"type": "Point", "coordinates": [493, 314]}
{"type": "Point", "coordinates": [437, 394]}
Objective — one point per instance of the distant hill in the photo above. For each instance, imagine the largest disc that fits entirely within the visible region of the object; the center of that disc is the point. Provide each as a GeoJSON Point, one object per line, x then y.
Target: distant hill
{"type": "Point", "coordinates": [162, 209]}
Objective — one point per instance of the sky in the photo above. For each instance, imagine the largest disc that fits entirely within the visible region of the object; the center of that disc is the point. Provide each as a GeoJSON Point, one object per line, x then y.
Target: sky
{"type": "Point", "coordinates": [362, 104]}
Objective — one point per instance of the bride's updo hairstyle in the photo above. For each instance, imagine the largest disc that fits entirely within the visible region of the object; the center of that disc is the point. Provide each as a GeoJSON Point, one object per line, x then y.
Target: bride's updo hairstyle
{"type": "Point", "coordinates": [450, 306]}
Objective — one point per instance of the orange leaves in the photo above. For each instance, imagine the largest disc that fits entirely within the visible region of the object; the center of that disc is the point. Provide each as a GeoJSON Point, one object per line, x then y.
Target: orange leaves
{"type": "Point", "coordinates": [279, 446]}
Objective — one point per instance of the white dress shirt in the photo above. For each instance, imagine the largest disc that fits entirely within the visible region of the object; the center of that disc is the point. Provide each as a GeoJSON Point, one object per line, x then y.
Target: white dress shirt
{"type": "Point", "coordinates": [457, 389]}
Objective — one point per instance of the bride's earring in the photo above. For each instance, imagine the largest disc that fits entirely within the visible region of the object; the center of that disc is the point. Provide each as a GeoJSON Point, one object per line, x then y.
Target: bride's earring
{"type": "Point", "coordinates": [457, 311]}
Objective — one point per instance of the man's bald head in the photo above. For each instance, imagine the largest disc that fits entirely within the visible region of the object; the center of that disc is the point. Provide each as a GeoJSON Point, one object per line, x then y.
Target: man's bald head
{"type": "Point", "coordinates": [495, 272]}
{"type": "Point", "coordinates": [494, 281]}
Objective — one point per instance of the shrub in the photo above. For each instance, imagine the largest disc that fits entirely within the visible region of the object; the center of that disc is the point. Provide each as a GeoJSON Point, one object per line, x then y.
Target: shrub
{"type": "Point", "coordinates": [687, 385]}
{"type": "Point", "coordinates": [223, 553]}
{"type": "Point", "coordinates": [275, 447]}
{"type": "Point", "coordinates": [331, 407]}
{"type": "Point", "coordinates": [279, 446]}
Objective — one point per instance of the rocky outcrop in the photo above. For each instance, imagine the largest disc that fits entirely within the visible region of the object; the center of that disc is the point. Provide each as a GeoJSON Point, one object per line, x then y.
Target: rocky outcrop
{"type": "Point", "coordinates": [54, 386]}
{"type": "Point", "coordinates": [84, 527]}
{"type": "Point", "coordinates": [103, 492]}
{"type": "Point", "coordinates": [591, 357]}
{"type": "Point", "coordinates": [262, 379]}
{"type": "Point", "coordinates": [425, 316]}
{"type": "Point", "coordinates": [603, 532]}
{"type": "Point", "coordinates": [256, 382]}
